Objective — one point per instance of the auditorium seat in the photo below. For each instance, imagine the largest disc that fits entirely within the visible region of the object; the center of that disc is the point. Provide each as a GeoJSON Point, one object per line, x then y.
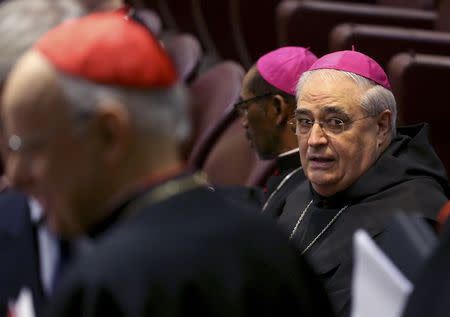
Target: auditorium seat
{"type": "Point", "coordinates": [176, 15]}
{"type": "Point", "coordinates": [186, 53]}
{"type": "Point", "coordinates": [254, 26]}
{"type": "Point", "coordinates": [443, 20]}
{"type": "Point", "coordinates": [414, 4]}
{"type": "Point", "coordinates": [231, 161]}
{"type": "Point", "coordinates": [308, 23]}
{"type": "Point", "coordinates": [151, 20]}
{"type": "Point", "coordinates": [219, 30]}
{"type": "Point", "coordinates": [213, 94]}
{"type": "Point", "coordinates": [420, 84]}
{"type": "Point", "coordinates": [383, 42]}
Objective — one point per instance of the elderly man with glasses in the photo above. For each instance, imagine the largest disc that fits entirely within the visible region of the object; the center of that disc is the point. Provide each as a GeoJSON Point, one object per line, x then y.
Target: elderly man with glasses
{"type": "Point", "coordinates": [359, 166]}
{"type": "Point", "coordinates": [267, 106]}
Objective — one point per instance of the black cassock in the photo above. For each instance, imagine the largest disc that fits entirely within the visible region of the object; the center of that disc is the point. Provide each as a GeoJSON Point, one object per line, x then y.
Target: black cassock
{"type": "Point", "coordinates": [289, 176]}
{"type": "Point", "coordinates": [408, 176]}
{"type": "Point", "coordinates": [192, 254]}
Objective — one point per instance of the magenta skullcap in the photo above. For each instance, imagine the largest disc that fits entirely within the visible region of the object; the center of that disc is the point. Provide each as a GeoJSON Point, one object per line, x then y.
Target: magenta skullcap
{"type": "Point", "coordinates": [354, 62]}
{"type": "Point", "coordinates": [283, 67]}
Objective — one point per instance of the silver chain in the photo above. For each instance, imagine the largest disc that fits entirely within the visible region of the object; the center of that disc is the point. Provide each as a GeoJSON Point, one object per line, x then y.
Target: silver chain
{"type": "Point", "coordinates": [321, 232]}
{"type": "Point", "coordinates": [300, 219]}
{"type": "Point", "coordinates": [285, 179]}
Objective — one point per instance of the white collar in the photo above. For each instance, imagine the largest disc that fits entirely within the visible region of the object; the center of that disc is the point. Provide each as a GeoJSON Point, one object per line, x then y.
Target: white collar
{"type": "Point", "coordinates": [289, 152]}
{"type": "Point", "coordinates": [36, 212]}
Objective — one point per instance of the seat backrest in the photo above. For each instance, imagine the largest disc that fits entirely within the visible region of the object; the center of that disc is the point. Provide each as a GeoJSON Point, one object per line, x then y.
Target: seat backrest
{"type": "Point", "coordinates": [443, 20]}
{"type": "Point", "coordinates": [176, 15]}
{"type": "Point", "coordinates": [308, 23]}
{"type": "Point", "coordinates": [382, 42]}
{"type": "Point", "coordinates": [254, 27]}
{"type": "Point", "coordinates": [151, 19]}
{"type": "Point", "coordinates": [186, 53]}
{"type": "Point", "coordinates": [415, 4]}
{"type": "Point", "coordinates": [213, 94]}
{"type": "Point", "coordinates": [420, 85]}
{"type": "Point", "coordinates": [218, 28]}
{"type": "Point", "coordinates": [231, 160]}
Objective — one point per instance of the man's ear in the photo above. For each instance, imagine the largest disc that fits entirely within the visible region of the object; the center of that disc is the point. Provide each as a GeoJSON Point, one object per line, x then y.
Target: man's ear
{"type": "Point", "coordinates": [384, 126]}
{"type": "Point", "coordinates": [114, 130]}
{"type": "Point", "coordinates": [283, 110]}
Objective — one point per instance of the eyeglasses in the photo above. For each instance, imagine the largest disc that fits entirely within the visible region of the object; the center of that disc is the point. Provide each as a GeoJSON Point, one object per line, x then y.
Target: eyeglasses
{"type": "Point", "coordinates": [329, 126]}
{"type": "Point", "coordinates": [242, 106]}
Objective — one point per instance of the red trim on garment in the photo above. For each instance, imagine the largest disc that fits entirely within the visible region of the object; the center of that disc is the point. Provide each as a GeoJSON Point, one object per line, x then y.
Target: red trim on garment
{"type": "Point", "coordinates": [442, 217]}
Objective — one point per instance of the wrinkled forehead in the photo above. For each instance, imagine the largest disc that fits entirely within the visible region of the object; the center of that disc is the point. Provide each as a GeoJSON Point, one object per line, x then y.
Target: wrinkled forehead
{"type": "Point", "coordinates": [32, 89]}
{"type": "Point", "coordinates": [328, 79]}
{"type": "Point", "coordinates": [327, 87]}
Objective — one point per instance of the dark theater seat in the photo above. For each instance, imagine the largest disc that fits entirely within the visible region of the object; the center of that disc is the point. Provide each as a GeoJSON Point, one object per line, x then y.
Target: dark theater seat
{"type": "Point", "coordinates": [383, 42]}
{"type": "Point", "coordinates": [254, 26]}
{"type": "Point", "coordinates": [186, 53]}
{"type": "Point", "coordinates": [421, 84]}
{"type": "Point", "coordinates": [414, 4]}
{"type": "Point", "coordinates": [231, 160]}
{"type": "Point", "coordinates": [308, 23]}
{"type": "Point", "coordinates": [213, 94]}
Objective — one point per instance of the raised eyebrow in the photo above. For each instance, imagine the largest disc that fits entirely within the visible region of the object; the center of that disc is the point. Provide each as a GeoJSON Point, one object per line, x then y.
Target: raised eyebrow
{"type": "Point", "coordinates": [334, 110]}
{"type": "Point", "coordinates": [299, 112]}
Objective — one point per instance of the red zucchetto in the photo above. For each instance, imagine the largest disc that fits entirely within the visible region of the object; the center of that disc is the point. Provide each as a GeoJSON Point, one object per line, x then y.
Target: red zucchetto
{"type": "Point", "coordinates": [108, 48]}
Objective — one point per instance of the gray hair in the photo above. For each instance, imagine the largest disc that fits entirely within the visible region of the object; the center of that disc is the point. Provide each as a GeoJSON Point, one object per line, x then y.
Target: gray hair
{"type": "Point", "coordinates": [23, 22]}
{"type": "Point", "coordinates": [375, 100]}
{"type": "Point", "coordinates": [161, 113]}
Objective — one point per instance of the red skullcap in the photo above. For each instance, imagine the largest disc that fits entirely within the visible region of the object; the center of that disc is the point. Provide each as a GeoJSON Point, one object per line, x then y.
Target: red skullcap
{"type": "Point", "coordinates": [108, 48]}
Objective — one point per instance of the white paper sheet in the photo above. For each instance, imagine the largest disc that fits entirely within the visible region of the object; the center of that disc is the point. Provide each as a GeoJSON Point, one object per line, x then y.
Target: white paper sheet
{"type": "Point", "coordinates": [23, 306]}
{"type": "Point", "coordinates": [379, 288]}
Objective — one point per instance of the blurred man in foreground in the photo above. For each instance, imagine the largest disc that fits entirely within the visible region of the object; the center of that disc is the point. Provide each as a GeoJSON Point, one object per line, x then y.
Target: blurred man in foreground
{"type": "Point", "coordinates": [95, 140]}
{"type": "Point", "coordinates": [29, 251]}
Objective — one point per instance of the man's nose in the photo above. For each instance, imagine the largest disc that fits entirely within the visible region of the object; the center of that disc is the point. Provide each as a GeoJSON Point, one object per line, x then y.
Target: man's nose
{"type": "Point", "coordinates": [317, 136]}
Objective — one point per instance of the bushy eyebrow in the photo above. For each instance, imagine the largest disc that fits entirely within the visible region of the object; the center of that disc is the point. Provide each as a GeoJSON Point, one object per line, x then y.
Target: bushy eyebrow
{"type": "Point", "coordinates": [333, 110]}
{"type": "Point", "coordinates": [325, 110]}
{"type": "Point", "coordinates": [299, 112]}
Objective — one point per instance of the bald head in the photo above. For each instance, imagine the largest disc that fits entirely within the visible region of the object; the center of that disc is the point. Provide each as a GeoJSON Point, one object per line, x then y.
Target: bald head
{"type": "Point", "coordinates": [45, 146]}
{"type": "Point", "coordinates": [33, 77]}
{"type": "Point", "coordinates": [75, 166]}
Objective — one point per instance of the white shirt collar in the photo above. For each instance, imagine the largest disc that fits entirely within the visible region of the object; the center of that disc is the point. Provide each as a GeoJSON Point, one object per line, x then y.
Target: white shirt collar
{"type": "Point", "coordinates": [36, 212]}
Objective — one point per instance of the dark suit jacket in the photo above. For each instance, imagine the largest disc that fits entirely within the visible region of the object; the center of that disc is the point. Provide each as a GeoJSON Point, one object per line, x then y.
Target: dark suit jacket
{"type": "Point", "coordinates": [194, 254]}
{"type": "Point", "coordinates": [19, 265]}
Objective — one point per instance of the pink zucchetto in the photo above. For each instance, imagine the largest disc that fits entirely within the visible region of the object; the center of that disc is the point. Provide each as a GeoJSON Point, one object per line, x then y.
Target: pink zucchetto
{"type": "Point", "coordinates": [283, 67]}
{"type": "Point", "coordinates": [354, 62]}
